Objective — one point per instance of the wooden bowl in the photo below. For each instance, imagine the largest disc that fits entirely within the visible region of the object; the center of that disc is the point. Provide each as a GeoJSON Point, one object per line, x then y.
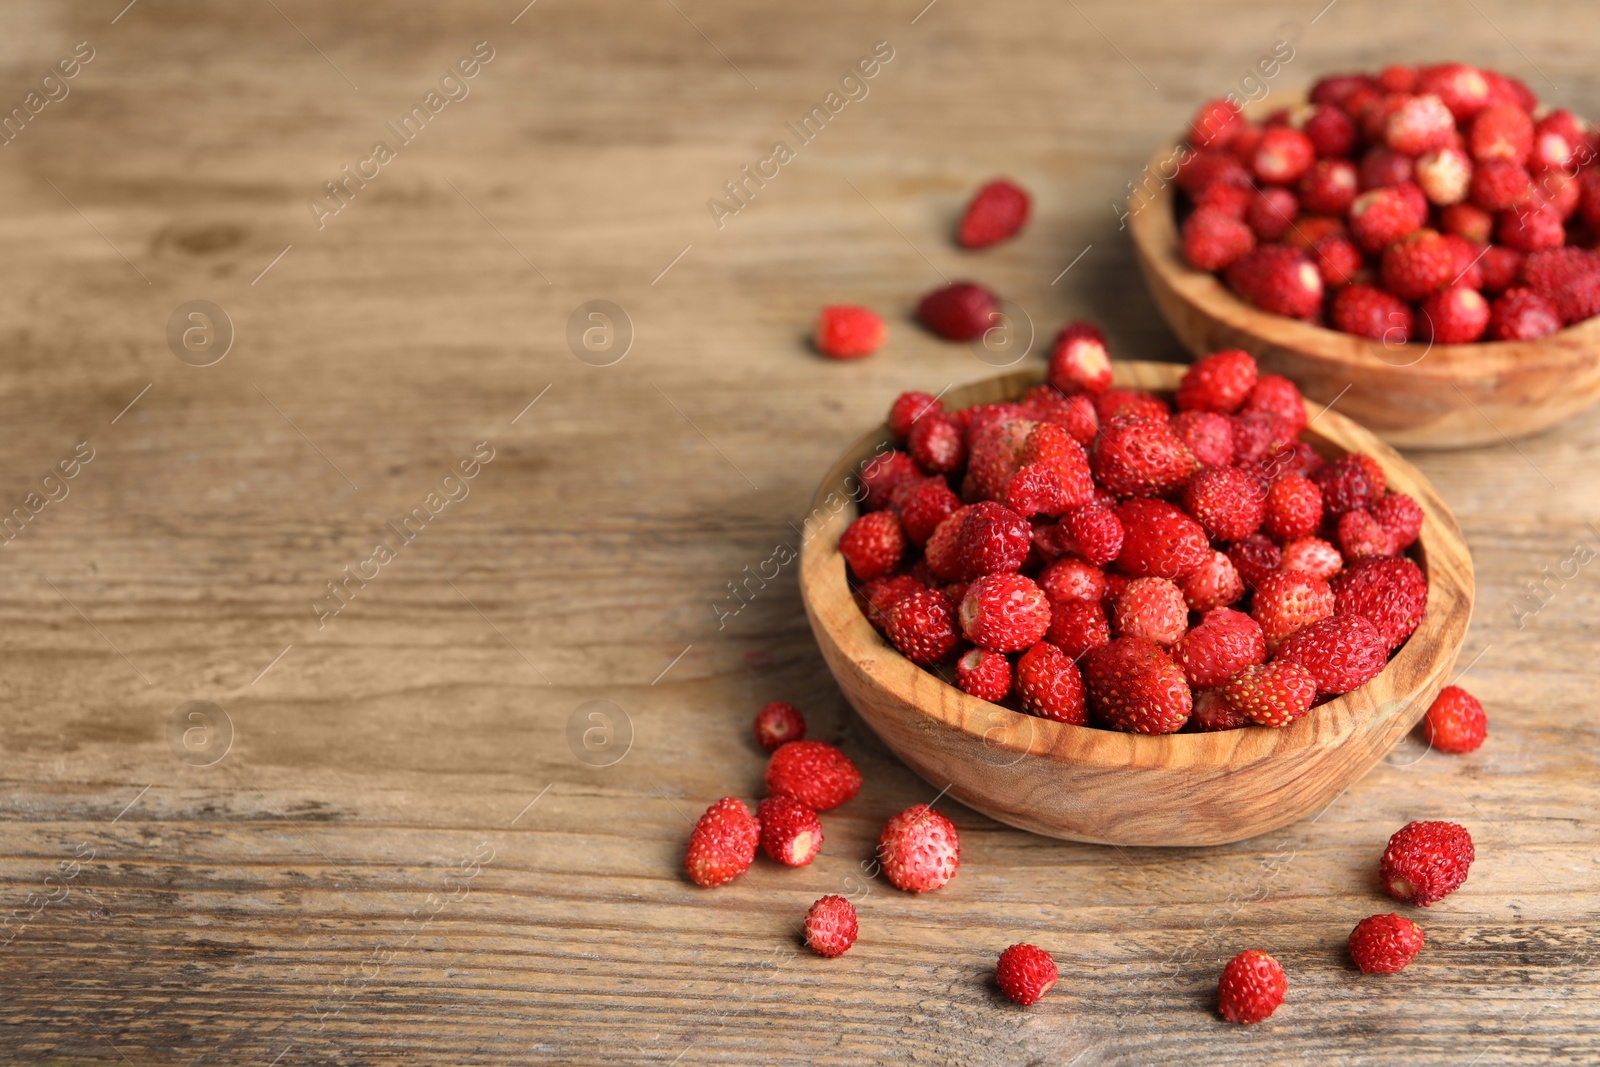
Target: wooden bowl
{"type": "Point", "coordinates": [1413, 395]}
{"type": "Point", "coordinates": [1096, 785]}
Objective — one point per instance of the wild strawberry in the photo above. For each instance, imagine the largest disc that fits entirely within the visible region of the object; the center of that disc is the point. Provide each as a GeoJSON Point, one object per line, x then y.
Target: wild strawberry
{"type": "Point", "coordinates": [1401, 516]}
{"type": "Point", "coordinates": [984, 674]}
{"type": "Point", "coordinates": [941, 552]}
{"type": "Point", "coordinates": [882, 475]}
{"type": "Point", "coordinates": [907, 408]}
{"type": "Point", "coordinates": [1048, 685]}
{"type": "Point", "coordinates": [1213, 584]}
{"type": "Point", "coordinates": [1383, 166]}
{"type": "Point", "coordinates": [1382, 216]}
{"type": "Point", "coordinates": [1158, 540]}
{"type": "Point", "coordinates": [1215, 124]}
{"type": "Point", "coordinates": [1499, 185]}
{"type": "Point", "coordinates": [830, 926]}
{"type": "Point", "coordinates": [1346, 485]}
{"type": "Point", "coordinates": [1384, 944]}
{"type": "Point", "coordinates": [1206, 434]}
{"type": "Point", "coordinates": [922, 626]}
{"type": "Point", "coordinates": [1074, 414]}
{"type": "Point", "coordinates": [1224, 642]}
{"type": "Point", "coordinates": [1335, 89]}
{"type": "Point", "coordinates": [974, 421]}
{"type": "Point", "coordinates": [1218, 382]}
{"type": "Point", "coordinates": [1072, 579]}
{"type": "Point", "coordinates": [1579, 298]}
{"type": "Point", "coordinates": [992, 540]}
{"type": "Point", "coordinates": [1330, 130]}
{"type": "Point", "coordinates": [1464, 89]}
{"type": "Point", "coordinates": [1467, 221]}
{"type": "Point", "coordinates": [1278, 279]}
{"type": "Point", "coordinates": [1227, 501]}
{"type": "Point", "coordinates": [1212, 714]}
{"type": "Point", "coordinates": [1444, 175]}
{"type": "Point", "coordinates": [1257, 436]}
{"type": "Point", "coordinates": [1504, 89]}
{"type": "Point", "coordinates": [873, 544]}
{"type": "Point", "coordinates": [1271, 694]}
{"type": "Point", "coordinates": [1531, 227]}
{"type": "Point", "coordinates": [1313, 556]}
{"type": "Point", "coordinates": [1114, 402]}
{"type": "Point", "coordinates": [1309, 229]}
{"type": "Point", "coordinates": [1004, 613]}
{"type": "Point", "coordinates": [1287, 601]}
{"type": "Point", "coordinates": [1283, 155]}
{"type": "Point", "coordinates": [1522, 315]}
{"type": "Point", "coordinates": [1426, 862]}
{"type": "Point", "coordinates": [1372, 313]}
{"type": "Point", "coordinates": [1212, 239]}
{"type": "Point", "coordinates": [1055, 448]}
{"type": "Point", "coordinates": [1329, 187]}
{"type": "Point", "coordinates": [1134, 686]}
{"type": "Point", "coordinates": [919, 849]}
{"type": "Point", "coordinates": [1251, 987]}
{"type": "Point", "coordinates": [1092, 531]}
{"type": "Point", "coordinates": [847, 332]}
{"type": "Point", "coordinates": [936, 445]}
{"type": "Point", "coordinates": [1079, 362]}
{"type": "Point", "coordinates": [922, 506]}
{"type": "Point", "coordinates": [1338, 260]}
{"type": "Point", "coordinates": [1360, 536]}
{"type": "Point", "coordinates": [1152, 608]}
{"type": "Point", "coordinates": [1500, 267]}
{"type": "Point", "coordinates": [1501, 132]}
{"type": "Point", "coordinates": [1271, 211]}
{"type": "Point", "coordinates": [1276, 395]}
{"type": "Point", "coordinates": [1140, 456]}
{"type": "Point", "coordinates": [1456, 316]}
{"type": "Point", "coordinates": [1255, 558]}
{"type": "Point", "coordinates": [1388, 591]}
{"type": "Point", "coordinates": [997, 211]}
{"type": "Point", "coordinates": [791, 833]}
{"type": "Point", "coordinates": [1455, 721]}
{"type": "Point", "coordinates": [722, 845]}
{"type": "Point", "coordinates": [1561, 142]}
{"type": "Point", "coordinates": [778, 723]}
{"type": "Point", "coordinates": [1550, 270]}
{"type": "Point", "coordinates": [1025, 973]}
{"type": "Point", "coordinates": [818, 775]}
{"type": "Point", "coordinates": [1292, 508]}
{"type": "Point", "coordinates": [1076, 626]}
{"type": "Point", "coordinates": [1342, 652]}
{"type": "Point", "coordinates": [1297, 457]}
{"type": "Point", "coordinates": [961, 311]}
{"type": "Point", "coordinates": [874, 598]}
{"type": "Point", "coordinates": [1418, 264]}
{"type": "Point", "coordinates": [1419, 124]}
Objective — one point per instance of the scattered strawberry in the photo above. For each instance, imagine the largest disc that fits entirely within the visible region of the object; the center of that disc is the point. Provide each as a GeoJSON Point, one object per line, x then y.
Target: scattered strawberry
{"type": "Point", "coordinates": [830, 926]}
{"type": "Point", "coordinates": [1342, 652]}
{"type": "Point", "coordinates": [1426, 862]}
{"type": "Point", "coordinates": [873, 544]}
{"type": "Point", "coordinates": [722, 845]}
{"type": "Point", "coordinates": [847, 332]}
{"type": "Point", "coordinates": [922, 626]}
{"type": "Point", "coordinates": [791, 833]}
{"type": "Point", "coordinates": [1025, 973]}
{"type": "Point", "coordinates": [1384, 944]}
{"type": "Point", "coordinates": [984, 674]}
{"type": "Point", "coordinates": [997, 211]}
{"type": "Point", "coordinates": [1455, 721]}
{"type": "Point", "coordinates": [1251, 987]}
{"type": "Point", "coordinates": [1134, 686]}
{"type": "Point", "coordinates": [1004, 613]}
{"type": "Point", "coordinates": [778, 723]}
{"type": "Point", "coordinates": [961, 311]}
{"type": "Point", "coordinates": [919, 849]}
{"type": "Point", "coordinates": [818, 775]}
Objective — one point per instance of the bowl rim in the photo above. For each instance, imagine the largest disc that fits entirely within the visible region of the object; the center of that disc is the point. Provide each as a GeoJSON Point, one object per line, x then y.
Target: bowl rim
{"type": "Point", "coordinates": [1381, 711]}
{"type": "Point", "coordinates": [1153, 227]}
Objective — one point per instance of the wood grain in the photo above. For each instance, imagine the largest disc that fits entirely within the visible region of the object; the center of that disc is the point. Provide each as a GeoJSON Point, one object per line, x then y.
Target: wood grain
{"type": "Point", "coordinates": [1089, 784]}
{"type": "Point", "coordinates": [302, 899]}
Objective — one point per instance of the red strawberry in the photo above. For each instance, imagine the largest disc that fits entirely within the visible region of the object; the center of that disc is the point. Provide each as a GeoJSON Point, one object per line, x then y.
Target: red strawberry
{"type": "Point", "coordinates": [1224, 642]}
{"type": "Point", "coordinates": [1331, 132]}
{"type": "Point", "coordinates": [1283, 155]}
{"type": "Point", "coordinates": [1076, 626]}
{"type": "Point", "coordinates": [992, 540]}
{"type": "Point", "coordinates": [1444, 175]}
{"type": "Point", "coordinates": [1278, 279]}
{"type": "Point", "coordinates": [961, 311]}
{"type": "Point", "coordinates": [1218, 382]}
{"type": "Point", "coordinates": [1113, 402]}
{"type": "Point", "coordinates": [1271, 211]}
{"type": "Point", "coordinates": [1384, 944]}
{"type": "Point", "coordinates": [1004, 613]}
{"type": "Point", "coordinates": [1216, 123]}
{"type": "Point", "coordinates": [1074, 414]}
{"type": "Point", "coordinates": [922, 506]}
{"type": "Point", "coordinates": [1025, 973]}
{"type": "Point", "coordinates": [1202, 168]}
{"type": "Point", "coordinates": [1382, 167]}
{"type": "Point", "coordinates": [1420, 123]}
{"type": "Point", "coordinates": [1499, 185]}
{"type": "Point", "coordinates": [1467, 221]}
{"type": "Point", "coordinates": [1093, 531]}
{"type": "Point", "coordinates": [1501, 132]}
{"type": "Point", "coordinates": [1455, 721]}
{"type": "Point", "coordinates": [1372, 313]}
{"type": "Point", "coordinates": [1056, 449]}
{"type": "Point", "coordinates": [873, 544]}
{"type": "Point", "coordinates": [1329, 187]}
{"type": "Point", "coordinates": [1048, 685]}
{"type": "Point", "coordinates": [1158, 540]}
{"type": "Point", "coordinates": [1388, 591]}
{"type": "Point", "coordinates": [997, 450]}
{"type": "Point", "coordinates": [1227, 501]}
{"type": "Point", "coordinates": [846, 332]}
{"type": "Point", "coordinates": [722, 845]}
{"type": "Point", "coordinates": [1426, 862]}
{"type": "Point", "coordinates": [1418, 264]}
{"type": "Point", "coordinates": [1073, 579]}
{"type": "Point", "coordinates": [791, 833]}
{"type": "Point", "coordinates": [1464, 89]}
{"type": "Point", "coordinates": [1286, 601]}
{"type": "Point", "coordinates": [1207, 435]}
{"type": "Point", "coordinates": [1292, 509]}
{"type": "Point", "coordinates": [1401, 516]}
{"type": "Point", "coordinates": [1381, 216]}
{"type": "Point", "coordinates": [1522, 315]}
{"type": "Point", "coordinates": [882, 475]}
{"type": "Point", "coordinates": [1359, 535]}
{"type": "Point", "coordinates": [1134, 686]}
{"type": "Point", "coordinates": [1313, 556]}
{"type": "Point", "coordinates": [1276, 395]}
{"type": "Point", "coordinates": [1213, 584]}
{"type": "Point", "coordinates": [984, 674]}
{"type": "Point", "coordinates": [818, 775]}
{"type": "Point", "coordinates": [778, 723]}
{"type": "Point", "coordinates": [1079, 362]}
{"type": "Point", "coordinates": [1255, 558]}
{"type": "Point", "coordinates": [1347, 485]}
{"type": "Point", "coordinates": [1251, 987]}
{"type": "Point", "coordinates": [1271, 694]}
{"type": "Point", "coordinates": [1212, 713]}
{"type": "Point", "coordinates": [1342, 652]}
{"type": "Point", "coordinates": [830, 926]}
{"type": "Point", "coordinates": [1457, 316]}
{"type": "Point", "coordinates": [936, 444]}
{"type": "Point", "coordinates": [1212, 239]}
{"type": "Point", "coordinates": [922, 626]}
{"type": "Point", "coordinates": [1140, 456]}
{"type": "Point", "coordinates": [875, 598]}
{"type": "Point", "coordinates": [1152, 608]}
{"type": "Point", "coordinates": [919, 849]}
{"type": "Point", "coordinates": [1531, 227]}
{"type": "Point", "coordinates": [997, 211]}
{"type": "Point", "coordinates": [908, 408]}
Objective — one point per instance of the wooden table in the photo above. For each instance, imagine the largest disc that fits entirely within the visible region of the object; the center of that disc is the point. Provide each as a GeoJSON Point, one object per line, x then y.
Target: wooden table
{"type": "Point", "coordinates": [379, 845]}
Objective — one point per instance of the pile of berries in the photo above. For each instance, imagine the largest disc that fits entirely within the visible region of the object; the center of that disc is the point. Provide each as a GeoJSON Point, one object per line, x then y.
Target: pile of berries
{"type": "Point", "coordinates": [1421, 203]}
{"type": "Point", "coordinates": [1091, 556]}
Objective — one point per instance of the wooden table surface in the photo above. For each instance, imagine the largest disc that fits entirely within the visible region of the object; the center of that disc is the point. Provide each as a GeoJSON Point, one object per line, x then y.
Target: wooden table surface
{"type": "Point", "coordinates": [388, 841]}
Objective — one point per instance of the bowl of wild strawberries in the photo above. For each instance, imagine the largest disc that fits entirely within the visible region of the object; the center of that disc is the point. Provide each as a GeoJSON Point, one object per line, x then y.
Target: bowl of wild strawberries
{"type": "Point", "coordinates": [1419, 243]}
{"type": "Point", "coordinates": [1138, 605]}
